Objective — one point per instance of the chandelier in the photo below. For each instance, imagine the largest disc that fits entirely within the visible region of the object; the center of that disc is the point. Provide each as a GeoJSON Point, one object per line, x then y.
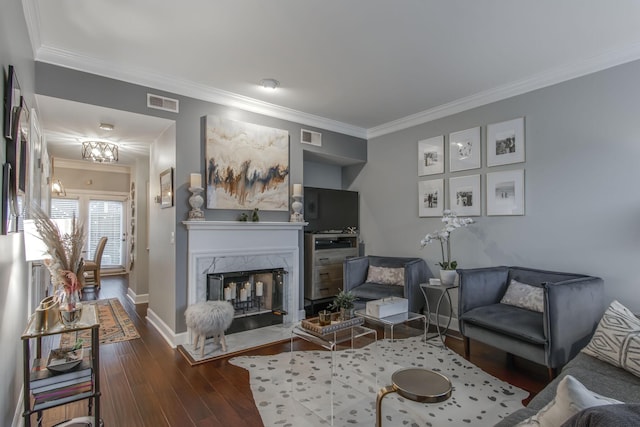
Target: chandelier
{"type": "Point", "coordinates": [99, 152]}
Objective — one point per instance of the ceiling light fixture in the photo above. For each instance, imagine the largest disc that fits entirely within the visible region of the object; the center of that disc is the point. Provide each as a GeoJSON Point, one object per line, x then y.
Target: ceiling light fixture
{"type": "Point", "coordinates": [99, 152]}
{"type": "Point", "coordinates": [106, 126]}
{"type": "Point", "coordinates": [270, 83]}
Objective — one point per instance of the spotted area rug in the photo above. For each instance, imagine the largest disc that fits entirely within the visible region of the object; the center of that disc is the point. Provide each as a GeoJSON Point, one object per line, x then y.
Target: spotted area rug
{"type": "Point", "coordinates": [295, 389]}
{"type": "Point", "coordinates": [115, 325]}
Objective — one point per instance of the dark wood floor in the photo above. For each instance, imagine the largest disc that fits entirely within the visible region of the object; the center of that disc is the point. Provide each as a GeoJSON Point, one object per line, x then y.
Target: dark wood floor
{"type": "Point", "coordinates": [147, 383]}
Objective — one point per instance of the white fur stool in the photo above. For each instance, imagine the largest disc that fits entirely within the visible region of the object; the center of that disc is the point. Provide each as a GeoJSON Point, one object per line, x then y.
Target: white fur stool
{"type": "Point", "coordinates": [209, 318]}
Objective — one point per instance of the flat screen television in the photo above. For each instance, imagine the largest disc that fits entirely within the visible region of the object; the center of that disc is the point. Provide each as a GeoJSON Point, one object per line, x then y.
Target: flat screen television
{"type": "Point", "coordinates": [329, 210]}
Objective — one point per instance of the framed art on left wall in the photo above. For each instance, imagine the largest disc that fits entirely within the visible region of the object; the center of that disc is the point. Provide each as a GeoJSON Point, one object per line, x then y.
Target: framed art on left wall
{"type": "Point", "coordinates": [166, 188]}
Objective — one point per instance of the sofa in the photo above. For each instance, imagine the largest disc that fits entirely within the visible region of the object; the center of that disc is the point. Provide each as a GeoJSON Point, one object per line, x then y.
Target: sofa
{"type": "Point", "coordinates": [551, 333]}
{"type": "Point", "coordinates": [406, 273]}
{"type": "Point", "coordinates": [608, 366]}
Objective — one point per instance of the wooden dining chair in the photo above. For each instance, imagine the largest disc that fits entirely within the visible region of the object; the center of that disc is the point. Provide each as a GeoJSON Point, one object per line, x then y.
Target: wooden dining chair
{"type": "Point", "coordinates": [92, 267]}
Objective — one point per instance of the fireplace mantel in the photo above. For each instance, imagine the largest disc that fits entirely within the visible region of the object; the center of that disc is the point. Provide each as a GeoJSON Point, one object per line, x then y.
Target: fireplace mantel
{"type": "Point", "coordinates": [224, 246]}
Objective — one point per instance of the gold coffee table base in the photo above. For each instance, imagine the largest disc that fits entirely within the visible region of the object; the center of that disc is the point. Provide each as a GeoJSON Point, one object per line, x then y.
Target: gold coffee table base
{"type": "Point", "coordinates": [417, 384]}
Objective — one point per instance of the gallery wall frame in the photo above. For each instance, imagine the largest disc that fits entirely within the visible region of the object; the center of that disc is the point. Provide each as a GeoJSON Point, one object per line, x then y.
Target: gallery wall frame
{"type": "Point", "coordinates": [431, 156]}
{"type": "Point", "coordinates": [431, 198]}
{"type": "Point", "coordinates": [465, 149]}
{"type": "Point", "coordinates": [505, 142]}
{"type": "Point", "coordinates": [247, 165]}
{"type": "Point", "coordinates": [166, 188]}
{"type": "Point", "coordinates": [465, 197]}
{"type": "Point", "coordinates": [505, 192]}
{"type": "Point", "coordinates": [12, 101]}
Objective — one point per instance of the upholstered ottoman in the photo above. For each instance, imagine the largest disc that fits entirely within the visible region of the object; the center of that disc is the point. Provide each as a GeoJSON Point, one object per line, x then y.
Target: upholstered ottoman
{"type": "Point", "coordinates": [209, 318]}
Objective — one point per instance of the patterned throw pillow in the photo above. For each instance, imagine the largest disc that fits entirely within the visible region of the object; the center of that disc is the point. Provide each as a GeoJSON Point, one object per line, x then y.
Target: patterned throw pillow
{"type": "Point", "coordinates": [524, 296]}
{"type": "Point", "coordinates": [386, 275]}
{"type": "Point", "coordinates": [571, 398]}
{"type": "Point", "coordinates": [616, 339]}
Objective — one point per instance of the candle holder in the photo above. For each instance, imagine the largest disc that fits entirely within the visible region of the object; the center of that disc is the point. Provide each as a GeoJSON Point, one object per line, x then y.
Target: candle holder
{"type": "Point", "coordinates": [296, 215]}
{"type": "Point", "coordinates": [196, 201]}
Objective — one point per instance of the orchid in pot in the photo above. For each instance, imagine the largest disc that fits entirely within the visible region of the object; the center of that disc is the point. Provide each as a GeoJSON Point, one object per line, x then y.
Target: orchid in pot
{"type": "Point", "coordinates": [447, 265]}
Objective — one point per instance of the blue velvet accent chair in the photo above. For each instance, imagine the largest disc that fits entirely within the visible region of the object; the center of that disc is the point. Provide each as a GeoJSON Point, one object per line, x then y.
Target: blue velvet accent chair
{"type": "Point", "coordinates": [355, 273]}
{"type": "Point", "coordinates": [573, 306]}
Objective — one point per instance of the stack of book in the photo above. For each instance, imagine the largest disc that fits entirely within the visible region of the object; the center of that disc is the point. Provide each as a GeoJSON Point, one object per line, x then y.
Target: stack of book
{"type": "Point", "coordinates": [47, 385]}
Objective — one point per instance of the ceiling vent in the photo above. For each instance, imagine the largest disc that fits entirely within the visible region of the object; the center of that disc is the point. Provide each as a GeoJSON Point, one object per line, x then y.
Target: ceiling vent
{"type": "Point", "coordinates": [310, 137]}
{"type": "Point", "coordinates": [162, 103]}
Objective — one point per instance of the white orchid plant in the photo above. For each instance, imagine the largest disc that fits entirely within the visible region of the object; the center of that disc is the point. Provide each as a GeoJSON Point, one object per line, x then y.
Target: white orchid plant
{"type": "Point", "coordinates": [452, 222]}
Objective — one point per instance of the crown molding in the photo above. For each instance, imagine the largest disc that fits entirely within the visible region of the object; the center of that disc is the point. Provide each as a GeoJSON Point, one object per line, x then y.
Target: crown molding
{"type": "Point", "coordinates": [95, 167]}
{"type": "Point", "coordinates": [191, 89]}
{"type": "Point", "coordinates": [558, 75]}
{"type": "Point", "coordinates": [32, 19]}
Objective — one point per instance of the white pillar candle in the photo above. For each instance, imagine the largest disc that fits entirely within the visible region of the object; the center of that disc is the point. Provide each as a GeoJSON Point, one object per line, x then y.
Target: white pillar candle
{"type": "Point", "coordinates": [232, 286]}
{"type": "Point", "coordinates": [259, 289]}
{"type": "Point", "coordinates": [247, 286]}
{"type": "Point", "coordinates": [243, 294]}
{"type": "Point", "coordinates": [297, 190]}
{"type": "Point", "coordinates": [227, 294]}
{"type": "Point", "coordinates": [196, 180]}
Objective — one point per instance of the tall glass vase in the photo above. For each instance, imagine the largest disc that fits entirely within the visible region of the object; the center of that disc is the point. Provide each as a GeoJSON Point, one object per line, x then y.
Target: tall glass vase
{"type": "Point", "coordinates": [70, 308]}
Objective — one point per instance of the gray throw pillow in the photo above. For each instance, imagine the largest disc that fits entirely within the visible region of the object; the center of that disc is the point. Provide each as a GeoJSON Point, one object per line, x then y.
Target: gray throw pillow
{"type": "Point", "coordinates": [524, 296]}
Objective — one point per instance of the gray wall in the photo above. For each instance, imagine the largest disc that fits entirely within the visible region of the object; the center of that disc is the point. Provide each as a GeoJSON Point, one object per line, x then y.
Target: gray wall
{"type": "Point", "coordinates": [15, 49]}
{"type": "Point", "coordinates": [188, 152]}
{"type": "Point", "coordinates": [582, 204]}
{"type": "Point", "coordinates": [322, 175]}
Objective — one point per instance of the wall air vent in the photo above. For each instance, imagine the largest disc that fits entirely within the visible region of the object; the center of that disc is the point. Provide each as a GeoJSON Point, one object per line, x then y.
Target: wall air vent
{"type": "Point", "coordinates": [162, 103]}
{"type": "Point", "coordinates": [310, 137]}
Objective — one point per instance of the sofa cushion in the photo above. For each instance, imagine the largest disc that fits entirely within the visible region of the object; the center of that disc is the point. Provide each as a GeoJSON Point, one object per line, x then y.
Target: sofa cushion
{"type": "Point", "coordinates": [606, 416]}
{"type": "Point", "coordinates": [571, 397]}
{"type": "Point", "coordinates": [385, 275]}
{"type": "Point", "coordinates": [525, 296]}
{"type": "Point", "coordinates": [507, 319]}
{"type": "Point", "coordinates": [373, 291]}
{"type": "Point", "coordinates": [617, 339]}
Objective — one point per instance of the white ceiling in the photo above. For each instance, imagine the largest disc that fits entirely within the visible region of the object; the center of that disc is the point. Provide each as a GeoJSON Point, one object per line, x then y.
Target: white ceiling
{"type": "Point", "coordinates": [363, 67]}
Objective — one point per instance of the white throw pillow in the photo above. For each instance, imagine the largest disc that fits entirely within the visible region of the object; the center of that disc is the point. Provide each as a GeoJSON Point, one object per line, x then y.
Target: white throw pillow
{"type": "Point", "coordinates": [386, 275]}
{"type": "Point", "coordinates": [571, 398]}
{"type": "Point", "coordinates": [616, 339]}
{"type": "Point", "coordinates": [524, 296]}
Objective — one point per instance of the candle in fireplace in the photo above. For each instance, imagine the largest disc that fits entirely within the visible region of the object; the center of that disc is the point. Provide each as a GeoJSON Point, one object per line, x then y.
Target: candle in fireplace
{"type": "Point", "coordinates": [227, 294]}
{"type": "Point", "coordinates": [232, 286]}
{"type": "Point", "coordinates": [247, 286]}
{"type": "Point", "coordinates": [243, 294]}
{"type": "Point", "coordinates": [259, 286]}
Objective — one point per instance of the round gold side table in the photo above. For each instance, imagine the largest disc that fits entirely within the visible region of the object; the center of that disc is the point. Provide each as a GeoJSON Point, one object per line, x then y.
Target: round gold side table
{"type": "Point", "coordinates": [417, 384]}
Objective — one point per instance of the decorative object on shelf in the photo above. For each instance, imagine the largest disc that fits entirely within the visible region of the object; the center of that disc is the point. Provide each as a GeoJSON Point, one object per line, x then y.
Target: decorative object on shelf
{"type": "Point", "coordinates": [196, 201]}
{"type": "Point", "coordinates": [99, 151]}
{"type": "Point", "coordinates": [447, 265]}
{"type": "Point", "coordinates": [335, 324]}
{"type": "Point", "coordinates": [166, 188]}
{"type": "Point", "coordinates": [464, 149]}
{"type": "Point", "coordinates": [324, 317]}
{"type": "Point", "coordinates": [63, 248]}
{"type": "Point", "coordinates": [505, 193]}
{"type": "Point", "coordinates": [431, 156]}
{"type": "Point", "coordinates": [65, 359]}
{"type": "Point", "coordinates": [69, 301]}
{"type": "Point", "coordinates": [344, 301]}
{"type": "Point", "coordinates": [505, 142]}
{"type": "Point", "coordinates": [430, 198]}
{"type": "Point", "coordinates": [46, 314]}
{"type": "Point", "coordinates": [247, 165]}
{"type": "Point", "coordinates": [254, 215]}
{"type": "Point", "coordinates": [243, 217]}
{"type": "Point", "coordinates": [296, 205]}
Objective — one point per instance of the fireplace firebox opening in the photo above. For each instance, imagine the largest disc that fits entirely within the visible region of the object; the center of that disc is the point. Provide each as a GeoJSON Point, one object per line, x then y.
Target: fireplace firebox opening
{"type": "Point", "coordinates": [256, 295]}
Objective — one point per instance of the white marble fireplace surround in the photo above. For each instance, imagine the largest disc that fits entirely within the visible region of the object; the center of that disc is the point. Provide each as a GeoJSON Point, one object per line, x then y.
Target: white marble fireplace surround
{"type": "Point", "coordinates": [229, 246]}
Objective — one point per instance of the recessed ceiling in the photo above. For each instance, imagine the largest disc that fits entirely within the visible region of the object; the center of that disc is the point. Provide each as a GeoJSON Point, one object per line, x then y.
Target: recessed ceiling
{"type": "Point", "coordinates": [363, 63]}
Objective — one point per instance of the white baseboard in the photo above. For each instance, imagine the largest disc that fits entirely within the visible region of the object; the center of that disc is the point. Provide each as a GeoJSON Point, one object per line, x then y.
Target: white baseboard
{"type": "Point", "coordinates": [167, 333]}
{"type": "Point", "coordinates": [137, 299]}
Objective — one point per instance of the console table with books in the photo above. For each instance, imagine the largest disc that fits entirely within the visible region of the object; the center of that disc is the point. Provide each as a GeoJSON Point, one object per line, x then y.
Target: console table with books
{"type": "Point", "coordinates": [44, 388]}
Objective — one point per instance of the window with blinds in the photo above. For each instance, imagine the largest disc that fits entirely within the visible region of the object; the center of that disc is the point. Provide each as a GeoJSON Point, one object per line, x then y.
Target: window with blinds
{"type": "Point", "coordinates": [64, 208]}
{"type": "Point", "coordinates": [106, 219]}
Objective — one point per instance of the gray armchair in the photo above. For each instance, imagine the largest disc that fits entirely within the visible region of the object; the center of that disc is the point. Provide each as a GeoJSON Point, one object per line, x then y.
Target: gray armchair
{"type": "Point", "coordinates": [573, 306]}
{"type": "Point", "coordinates": [355, 276]}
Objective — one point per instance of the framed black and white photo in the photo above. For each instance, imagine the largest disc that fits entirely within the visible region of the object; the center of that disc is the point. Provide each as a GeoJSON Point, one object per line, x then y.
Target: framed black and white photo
{"type": "Point", "coordinates": [464, 150]}
{"type": "Point", "coordinates": [505, 193]}
{"type": "Point", "coordinates": [166, 188]}
{"type": "Point", "coordinates": [505, 142]}
{"type": "Point", "coordinates": [430, 198]}
{"type": "Point", "coordinates": [12, 102]}
{"type": "Point", "coordinates": [431, 156]}
{"type": "Point", "coordinates": [464, 195]}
